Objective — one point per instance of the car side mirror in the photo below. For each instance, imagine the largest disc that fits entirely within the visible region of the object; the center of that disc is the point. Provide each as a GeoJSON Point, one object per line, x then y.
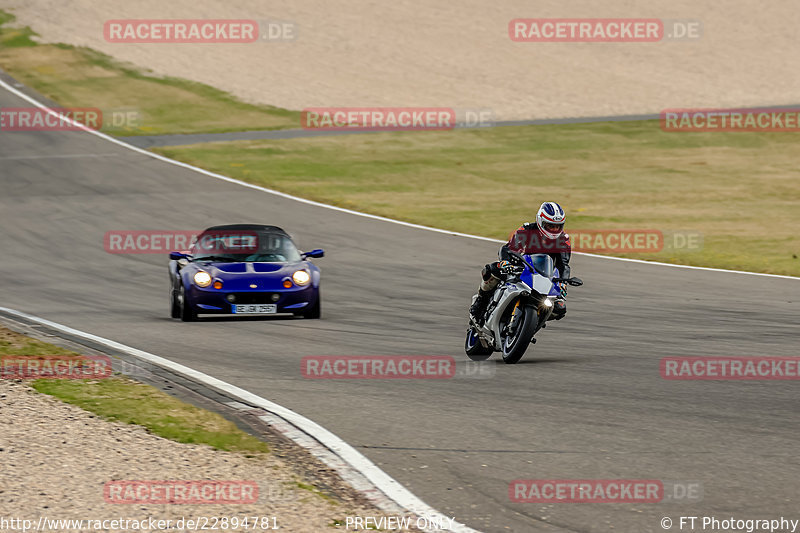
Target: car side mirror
{"type": "Point", "coordinates": [315, 253]}
{"type": "Point", "coordinates": [177, 256]}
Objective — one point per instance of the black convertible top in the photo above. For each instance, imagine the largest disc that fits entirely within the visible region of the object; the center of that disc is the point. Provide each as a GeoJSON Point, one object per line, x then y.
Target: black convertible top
{"type": "Point", "coordinates": [248, 227]}
{"type": "Point", "coordinates": [243, 238]}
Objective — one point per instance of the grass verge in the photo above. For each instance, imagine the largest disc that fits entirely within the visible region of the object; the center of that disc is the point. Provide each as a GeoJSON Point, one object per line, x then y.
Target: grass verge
{"type": "Point", "coordinates": [127, 401]}
{"type": "Point", "coordinates": [81, 78]}
{"type": "Point", "coordinates": [123, 400]}
{"type": "Point", "coordinates": [739, 191]}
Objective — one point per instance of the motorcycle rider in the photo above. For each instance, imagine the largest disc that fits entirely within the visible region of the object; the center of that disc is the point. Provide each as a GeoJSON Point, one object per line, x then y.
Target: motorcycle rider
{"type": "Point", "coordinates": [545, 236]}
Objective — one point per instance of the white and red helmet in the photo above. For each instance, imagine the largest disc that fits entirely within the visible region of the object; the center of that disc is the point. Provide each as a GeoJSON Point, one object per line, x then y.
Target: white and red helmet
{"type": "Point", "coordinates": [550, 219]}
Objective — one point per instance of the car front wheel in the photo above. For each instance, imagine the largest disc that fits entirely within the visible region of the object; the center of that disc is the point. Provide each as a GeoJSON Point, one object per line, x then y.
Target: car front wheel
{"type": "Point", "coordinates": [174, 304]}
{"type": "Point", "coordinates": [187, 313]}
{"type": "Point", "coordinates": [316, 309]}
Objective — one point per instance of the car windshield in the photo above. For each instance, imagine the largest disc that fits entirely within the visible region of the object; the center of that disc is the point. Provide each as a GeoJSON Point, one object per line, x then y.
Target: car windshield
{"type": "Point", "coordinates": [234, 246]}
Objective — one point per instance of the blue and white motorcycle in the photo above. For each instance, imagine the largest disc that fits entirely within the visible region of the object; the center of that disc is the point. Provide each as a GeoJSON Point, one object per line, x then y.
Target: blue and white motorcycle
{"type": "Point", "coordinates": [519, 307]}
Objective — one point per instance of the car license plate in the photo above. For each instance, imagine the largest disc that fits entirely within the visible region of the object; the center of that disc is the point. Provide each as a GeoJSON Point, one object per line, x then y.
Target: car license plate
{"type": "Point", "coordinates": [258, 309]}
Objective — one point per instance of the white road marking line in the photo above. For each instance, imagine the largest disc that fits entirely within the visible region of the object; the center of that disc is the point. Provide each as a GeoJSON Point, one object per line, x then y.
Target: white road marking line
{"type": "Point", "coordinates": [342, 451]}
{"type": "Point", "coordinates": [108, 138]}
{"type": "Point", "coordinates": [383, 481]}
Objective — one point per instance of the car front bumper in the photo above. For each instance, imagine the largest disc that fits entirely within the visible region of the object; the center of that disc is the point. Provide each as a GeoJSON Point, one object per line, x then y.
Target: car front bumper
{"type": "Point", "coordinates": [215, 301]}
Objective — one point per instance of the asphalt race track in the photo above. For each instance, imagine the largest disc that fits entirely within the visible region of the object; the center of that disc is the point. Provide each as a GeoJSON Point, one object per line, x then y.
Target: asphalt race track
{"type": "Point", "coordinates": [587, 402]}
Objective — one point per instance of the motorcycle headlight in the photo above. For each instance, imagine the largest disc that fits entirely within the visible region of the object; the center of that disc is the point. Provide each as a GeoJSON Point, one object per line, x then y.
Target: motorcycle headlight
{"type": "Point", "coordinates": [202, 279]}
{"type": "Point", "coordinates": [547, 302]}
{"type": "Point", "coordinates": [301, 277]}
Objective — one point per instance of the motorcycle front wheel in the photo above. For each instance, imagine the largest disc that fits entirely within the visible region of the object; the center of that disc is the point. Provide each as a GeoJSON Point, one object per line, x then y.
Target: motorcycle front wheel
{"type": "Point", "coordinates": [475, 350]}
{"type": "Point", "coordinates": [516, 336]}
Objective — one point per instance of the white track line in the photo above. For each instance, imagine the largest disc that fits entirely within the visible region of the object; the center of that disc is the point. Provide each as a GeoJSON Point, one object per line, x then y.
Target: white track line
{"type": "Point", "coordinates": [142, 151]}
{"type": "Point", "coordinates": [383, 481]}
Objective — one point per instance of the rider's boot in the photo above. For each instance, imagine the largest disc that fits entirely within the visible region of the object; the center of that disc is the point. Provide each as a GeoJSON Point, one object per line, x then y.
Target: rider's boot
{"type": "Point", "coordinates": [478, 309]}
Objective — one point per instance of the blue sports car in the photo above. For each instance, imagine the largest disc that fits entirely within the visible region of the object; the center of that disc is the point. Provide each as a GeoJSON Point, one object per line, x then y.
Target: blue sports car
{"type": "Point", "coordinates": [244, 269]}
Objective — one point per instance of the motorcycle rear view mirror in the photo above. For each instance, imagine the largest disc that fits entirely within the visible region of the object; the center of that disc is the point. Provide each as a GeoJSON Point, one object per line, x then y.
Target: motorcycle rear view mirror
{"type": "Point", "coordinates": [575, 282]}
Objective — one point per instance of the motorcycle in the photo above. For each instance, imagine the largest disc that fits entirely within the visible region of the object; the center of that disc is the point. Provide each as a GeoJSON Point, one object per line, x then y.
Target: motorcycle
{"type": "Point", "coordinates": [518, 309]}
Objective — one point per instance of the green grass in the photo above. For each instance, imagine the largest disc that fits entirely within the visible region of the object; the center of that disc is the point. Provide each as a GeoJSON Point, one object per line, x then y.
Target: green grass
{"type": "Point", "coordinates": [129, 402]}
{"type": "Point", "coordinates": [123, 400]}
{"type": "Point", "coordinates": [12, 343]}
{"type": "Point", "coordinates": [314, 490]}
{"type": "Point", "coordinates": [11, 37]}
{"type": "Point", "coordinates": [81, 77]}
{"type": "Point", "coordinates": [616, 175]}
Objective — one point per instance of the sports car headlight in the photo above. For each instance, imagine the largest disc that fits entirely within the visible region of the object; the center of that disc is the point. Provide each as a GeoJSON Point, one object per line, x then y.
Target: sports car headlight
{"type": "Point", "coordinates": [301, 277]}
{"type": "Point", "coordinates": [202, 279]}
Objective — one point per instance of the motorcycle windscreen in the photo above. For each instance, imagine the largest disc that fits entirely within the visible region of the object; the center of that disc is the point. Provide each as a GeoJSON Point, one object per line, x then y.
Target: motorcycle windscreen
{"type": "Point", "coordinates": [543, 264]}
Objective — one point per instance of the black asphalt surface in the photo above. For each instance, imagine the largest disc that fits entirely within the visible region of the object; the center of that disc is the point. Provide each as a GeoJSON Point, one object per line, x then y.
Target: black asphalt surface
{"type": "Point", "coordinates": [586, 402]}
